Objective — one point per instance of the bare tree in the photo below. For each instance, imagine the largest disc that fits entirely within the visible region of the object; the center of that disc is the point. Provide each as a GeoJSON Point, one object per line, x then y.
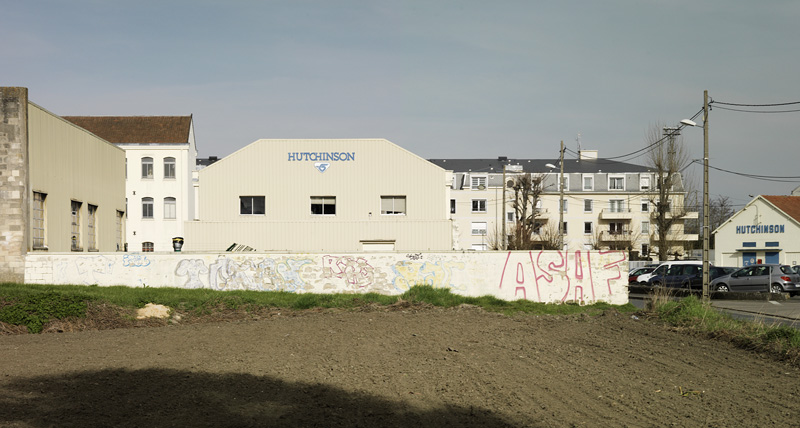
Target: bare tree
{"type": "Point", "coordinates": [668, 157]}
{"type": "Point", "coordinates": [526, 192]}
{"type": "Point", "coordinates": [546, 237]}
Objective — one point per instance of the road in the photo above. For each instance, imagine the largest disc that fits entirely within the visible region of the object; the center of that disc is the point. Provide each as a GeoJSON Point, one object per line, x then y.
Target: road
{"type": "Point", "coordinates": [782, 310]}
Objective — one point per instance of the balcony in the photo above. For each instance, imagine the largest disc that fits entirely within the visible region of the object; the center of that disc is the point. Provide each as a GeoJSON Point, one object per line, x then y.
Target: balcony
{"type": "Point", "coordinates": [616, 214]}
{"type": "Point", "coordinates": [615, 235]}
{"type": "Point", "coordinates": [678, 237]}
{"type": "Point", "coordinates": [543, 213]}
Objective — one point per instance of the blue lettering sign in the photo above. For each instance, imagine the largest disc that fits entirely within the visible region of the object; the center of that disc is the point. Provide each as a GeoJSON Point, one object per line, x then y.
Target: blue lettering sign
{"type": "Point", "coordinates": [760, 228]}
{"type": "Point", "coordinates": [321, 156]}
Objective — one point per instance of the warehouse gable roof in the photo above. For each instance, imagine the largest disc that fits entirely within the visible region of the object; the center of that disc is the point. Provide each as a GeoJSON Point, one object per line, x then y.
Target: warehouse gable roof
{"type": "Point", "coordinates": [137, 129]}
{"type": "Point", "coordinates": [790, 205]}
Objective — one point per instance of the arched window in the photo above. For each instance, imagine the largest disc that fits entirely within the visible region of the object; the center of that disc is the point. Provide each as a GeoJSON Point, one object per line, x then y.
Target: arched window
{"type": "Point", "coordinates": [147, 167]}
{"type": "Point", "coordinates": [147, 207]}
{"type": "Point", "coordinates": [169, 168]}
{"type": "Point", "coordinates": [169, 208]}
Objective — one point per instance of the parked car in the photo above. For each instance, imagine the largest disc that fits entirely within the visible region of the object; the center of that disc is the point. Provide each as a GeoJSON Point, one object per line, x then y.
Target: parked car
{"type": "Point", "coordinates": [638, 271]}
{"type": "Point", "coordinates": [665, 267]}
{"type": "Point", "coordinates": [688, 276]}
{"type": "Point", "coordinates": [776, 278]}
{"type": "Point", "coordinates": [796, 269]}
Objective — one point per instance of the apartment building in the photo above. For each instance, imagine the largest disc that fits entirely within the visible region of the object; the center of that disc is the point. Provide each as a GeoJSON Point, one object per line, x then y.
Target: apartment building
{"type": "Point", "coordinates": [160, 156]}
{"type": "Point", "coordinates": [606, 204]}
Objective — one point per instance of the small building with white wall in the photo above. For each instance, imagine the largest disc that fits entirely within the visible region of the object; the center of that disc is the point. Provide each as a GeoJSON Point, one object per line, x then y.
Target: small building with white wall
{"type": "Point", "coordinates": [333, 195]}
{"type": "Point", "coordinates": [160, 158]}
{"type": "Point", "coordinates": [766, 230]}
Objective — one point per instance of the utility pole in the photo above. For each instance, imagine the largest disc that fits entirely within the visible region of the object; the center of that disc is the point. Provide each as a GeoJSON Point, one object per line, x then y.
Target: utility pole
{"type": "Point", "coordinates": [504, 244]}
{"type": "Point", "coordinates": [561, 200]}
{"type": "Point", "coordinates": [706, 231]}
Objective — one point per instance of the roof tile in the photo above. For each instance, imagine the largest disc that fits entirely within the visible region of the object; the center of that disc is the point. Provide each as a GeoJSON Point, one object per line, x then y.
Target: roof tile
{"type": "Point", "coordinates": [136, 129]}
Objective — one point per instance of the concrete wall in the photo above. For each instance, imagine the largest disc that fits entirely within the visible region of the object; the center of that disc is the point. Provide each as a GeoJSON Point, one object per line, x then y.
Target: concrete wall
{"type": "Point", "coordinates": [550, 277]}
{"type": "Point", "coordinates": [14, 198]}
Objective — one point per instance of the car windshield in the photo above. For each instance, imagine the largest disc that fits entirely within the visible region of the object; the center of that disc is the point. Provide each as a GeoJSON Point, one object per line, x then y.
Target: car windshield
{"type": "Point", "coordinates": [787, 270]}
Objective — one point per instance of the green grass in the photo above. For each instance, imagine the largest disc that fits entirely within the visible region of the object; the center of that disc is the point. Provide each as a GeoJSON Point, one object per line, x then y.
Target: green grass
{"type": "Point", "coordinates": [29, 307]}
{"type": "Point", "coordinates": [692, 314]}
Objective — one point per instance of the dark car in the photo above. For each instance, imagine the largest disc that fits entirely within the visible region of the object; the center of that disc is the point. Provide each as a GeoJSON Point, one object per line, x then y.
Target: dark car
{"type": "Point", "coordinates": [764, 277]}
{"type": "Point", "coordinates": [687, 276]}
{"type": "Point", "coordinates": [638, 271]}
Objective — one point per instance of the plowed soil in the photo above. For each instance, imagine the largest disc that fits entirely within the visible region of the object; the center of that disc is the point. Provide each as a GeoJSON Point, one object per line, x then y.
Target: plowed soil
{"type": "Point", "coordinates": [413, 368]}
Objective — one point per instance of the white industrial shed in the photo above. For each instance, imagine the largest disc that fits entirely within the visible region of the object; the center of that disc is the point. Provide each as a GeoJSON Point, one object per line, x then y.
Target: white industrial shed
{"type": "Point", "coordinates": [337, 195]}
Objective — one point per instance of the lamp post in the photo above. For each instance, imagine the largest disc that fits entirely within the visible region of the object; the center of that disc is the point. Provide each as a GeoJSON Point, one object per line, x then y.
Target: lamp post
{"type": "Point", "coordinates": [706, 227]}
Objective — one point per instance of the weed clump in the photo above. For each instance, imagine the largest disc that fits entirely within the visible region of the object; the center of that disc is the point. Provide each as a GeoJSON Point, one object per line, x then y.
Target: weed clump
{"type": "Point", "coordinates": [35, 310]}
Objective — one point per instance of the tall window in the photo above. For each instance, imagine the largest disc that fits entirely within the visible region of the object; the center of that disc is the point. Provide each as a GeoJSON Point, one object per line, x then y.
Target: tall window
{"type": "Point", "coordinates": [479, 205]}
{"type": "Point", "coordinates": [564, 205]}
{"type": "Point", "coordinates": [588, 182]}
{"type": "Point", "coordinates": [147, 247]}
{"type": "Point", "coordinates": [323, 205]}
{"type": "Point", "coordinates": [38, 220]}
{"type": "Point", "coordinates": [645, 205]}
{"type": "Point", "coordinates": [170, 208]}
{"type": "Point", "coordinates": [587, 205]}
{"type": "Point", "coordinates": [646, 227]}
{"type": "Point", "coordinates": [118, 225]}
{"type": "Point", "coordinates": [616, 228]}
{"type": "Point", "coordinates": [452, 206]}
{"type": "Point", "coordinates": [644, 183]}
{"type": "Point", "coordinates": [478, 183]}
{"type": "Point", "coordinates": [393, 205]}
{"type": "Point", "coordinates": [587, 227]}
{"type": "Point", "coordinates": [91, 229]}
{"type": "Point", "coordinates": [147, 207]}
{"type": "Point", "coordinates": [169, 168]}
{"type": "Point", "coordinates": [147, 167]}
{"type": "Point", "coordinates": [616, 205]}
{"type": "Point", "coordinates": [251, 205]}
{"type": "Point", "coordinates": [616, 183]}
{"type": "Point", "coordinates": [75, 229]}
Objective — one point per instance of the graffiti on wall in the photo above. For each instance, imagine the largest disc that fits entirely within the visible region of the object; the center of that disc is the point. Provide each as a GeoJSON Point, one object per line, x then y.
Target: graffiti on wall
{"type": "Point", "coordinates": [225, 273]}
{"type": "Point", "coordinates": [355, 271]}
{"type": "Point", "coordinates": [437, 274]}
{"type": "Point", "coordinates": [538, 275]}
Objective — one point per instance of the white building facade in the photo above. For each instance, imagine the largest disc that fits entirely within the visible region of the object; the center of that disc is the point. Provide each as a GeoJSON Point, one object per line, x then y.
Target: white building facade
{"type": "Point", "coordinates": [766, 230]}
{"type": "Point", "coordinates": [160, 153]}
{"type": "Point", "coordinates": [607, 204]}
{"type": "Point", "coordinates": [342, 195]}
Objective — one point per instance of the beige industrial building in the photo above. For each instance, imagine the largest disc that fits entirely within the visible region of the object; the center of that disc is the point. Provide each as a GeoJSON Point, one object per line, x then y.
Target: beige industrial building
{"type": "Point", "coordinates": [338, 195]}
{"type": "Point", "coordinates": [62, 188]}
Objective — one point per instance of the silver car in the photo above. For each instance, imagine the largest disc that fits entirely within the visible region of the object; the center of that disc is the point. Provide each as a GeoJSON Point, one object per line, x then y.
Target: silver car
{"type": "Point", "coordinates": [776, 278]}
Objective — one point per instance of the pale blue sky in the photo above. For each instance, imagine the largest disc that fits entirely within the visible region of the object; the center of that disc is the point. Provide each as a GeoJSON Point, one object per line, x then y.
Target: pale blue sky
{"type": "Point", "coordinates": [443, 79]}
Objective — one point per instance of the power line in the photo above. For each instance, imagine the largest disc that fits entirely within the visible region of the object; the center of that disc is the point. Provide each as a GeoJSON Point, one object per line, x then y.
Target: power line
{"type": "Point", "coordinates": [758, 111]}
{"type": "Point", "coordinates": [754, 105]}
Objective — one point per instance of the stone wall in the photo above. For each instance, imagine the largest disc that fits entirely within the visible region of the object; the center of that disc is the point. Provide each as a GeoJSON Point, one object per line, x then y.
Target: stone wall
{"type": "Point", "coordinates": [542, 276]}
{"type": "Point", "coordinates": [13, 182]}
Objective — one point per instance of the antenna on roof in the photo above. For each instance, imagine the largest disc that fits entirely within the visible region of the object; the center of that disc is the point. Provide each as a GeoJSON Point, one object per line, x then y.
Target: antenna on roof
{"type": "Point", "coordinates": [579, 146]}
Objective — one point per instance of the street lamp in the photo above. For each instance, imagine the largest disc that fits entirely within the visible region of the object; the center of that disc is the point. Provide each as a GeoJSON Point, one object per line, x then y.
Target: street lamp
{"type": "Point", "coordinates": [706, 231]}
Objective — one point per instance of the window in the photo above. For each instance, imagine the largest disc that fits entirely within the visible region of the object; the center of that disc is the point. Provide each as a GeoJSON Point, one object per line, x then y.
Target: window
{"type": "Point", "coordinates": [478, 183]}
{"type": "Point", "coordinates": [645, 250]}
{"type": "Point", "coordinates": [452, 206]}
{"type": "Point", "coordinates": [91, 229]}
{"type": "Point", "coordinates": [564, 205]}
{"type": "Point", "coordinates": [646, 227]}
{"type": "Point", "coordinates": [645, 205]}
{"type": "Point", "coordinates": [393, 205]}
{"type": "Point", "coordinates": [616, 183]}
{"type": "Point", "coordinates": [479, 205]}
{"type": "Point", "coordinates": [323, 205]}
{"type": "Point", "coordinates": [667, 208]}
{"type": "Point", "coordinates": [616, 205]}
{"type": "Point", "coordinates": [147, 167]}
{"type": "Point", "coordinates": [587, 205]}
{"type": "Point", "coordinates": [479, 247]}
{"type": "Point", "coordinates": [120, 245]}
{"type": "Point", "coordinates": [564, 228]}
{"type": "Point", "coordinates": [537, 228]}
{"type": "Point", "coordinates": [75, 230]}
{"type": "Point", "coordinates": [169, 168]}
{"type": "Point", "coordinates": [170, 208]}
{"type": "Point", "coordinates": [147, 207]}
{"type": "Point", "coordinates": [38, 220]}
{"type": "Point", "coordinates": [615, 228]}
{"type": "Point", "coordinates": [251, 205]}
{"type": "Point", "coordinates": [147, 247]}
{"type": "Point", "coordinates": [644, 183]}
{"type": "Point", "coordinates": [511, 216]}
{"type": "Point", "coordinates": [587, 227]}
{"type": "Point", "coordinates": [479, 228]}
{"type": "Point", "coordinates": [566, 182]}
{"type": "Point", "coordinates": [588, 183]}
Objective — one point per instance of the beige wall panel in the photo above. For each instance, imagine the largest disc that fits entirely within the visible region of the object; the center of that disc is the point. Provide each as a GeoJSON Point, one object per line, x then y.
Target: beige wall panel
{"type": "Point", "coordinates": [68, 163]}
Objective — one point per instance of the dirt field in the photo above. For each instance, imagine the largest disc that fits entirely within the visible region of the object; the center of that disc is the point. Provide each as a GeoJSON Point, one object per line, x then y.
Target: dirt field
{"type": "Point", "coordinates": [398, 368]}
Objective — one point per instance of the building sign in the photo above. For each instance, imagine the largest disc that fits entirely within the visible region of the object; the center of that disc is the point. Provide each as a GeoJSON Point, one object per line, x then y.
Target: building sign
{"type": "Point", "coordinates": [761, 228]}
{"type": "Point", "coordinates": [322, 156]}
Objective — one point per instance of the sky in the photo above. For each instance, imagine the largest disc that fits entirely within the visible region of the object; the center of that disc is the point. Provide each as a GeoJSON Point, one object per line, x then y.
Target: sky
{"type": "Point", "coordinates": [442, 79]}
